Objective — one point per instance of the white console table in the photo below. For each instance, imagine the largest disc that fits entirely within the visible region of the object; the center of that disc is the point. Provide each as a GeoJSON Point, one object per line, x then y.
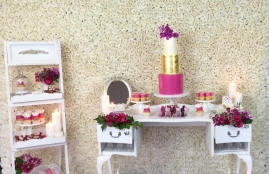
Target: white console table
{"type": "Point", "coordinates": [190, 120]}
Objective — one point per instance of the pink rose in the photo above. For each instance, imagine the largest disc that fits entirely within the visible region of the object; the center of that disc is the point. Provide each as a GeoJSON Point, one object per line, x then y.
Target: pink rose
{"type": "Point", "coordinates": [222, 119]}
{"type": "Point", "coordinates": [237, 118]}
{"type": "Point", "coordinates": [239, 124]}
{"type": "Point", "coordinates": [48, 81]}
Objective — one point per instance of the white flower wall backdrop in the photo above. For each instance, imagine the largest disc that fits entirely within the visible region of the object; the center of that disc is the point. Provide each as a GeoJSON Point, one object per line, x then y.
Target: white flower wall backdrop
{"type": "Point", "coordinates": [219, 41]}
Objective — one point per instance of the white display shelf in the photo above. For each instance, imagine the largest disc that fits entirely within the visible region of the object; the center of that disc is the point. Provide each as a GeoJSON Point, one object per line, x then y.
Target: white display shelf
{"type": "Point", "coordinates": [234, 150]}
{"type": "Point", "coordinates": [39, 142]}
{"type": "Point", "coordinates": [35, 53]}
{"type": "Point", "coordinates": [36, 142]}
{"type": "Point", "coordinates": [35, 97]}
{"type": "Point", "coordinates": [13, 149]}
{"type": "Point", "coordinates": [115, 152]}
{"type": "Point", "coordinates": [227, 152]}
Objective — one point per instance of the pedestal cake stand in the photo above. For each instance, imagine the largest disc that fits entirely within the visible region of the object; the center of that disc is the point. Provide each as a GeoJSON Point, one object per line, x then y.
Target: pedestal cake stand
{"type": "Point", "coordinates": [140, 105]}
{"type": "Point", "coordinates": [172, 97]}
{"type": "Point", "coordinates": [30, 126]}
{"type": "Point", "coordinates": [205, 104]}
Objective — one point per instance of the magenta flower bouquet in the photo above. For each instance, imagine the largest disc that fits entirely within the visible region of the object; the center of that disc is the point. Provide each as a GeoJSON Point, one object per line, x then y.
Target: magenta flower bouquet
{"type": "Point", "coordinates": [47, 76]}
{"type": "Point", "coordinates": [167, 32]}
{"type": "Point", "coordinates": [26, 163]}
{"type": "Point", "coordinates": [232, 117]}
{"type": "Point", "coordinates": [117, 120]}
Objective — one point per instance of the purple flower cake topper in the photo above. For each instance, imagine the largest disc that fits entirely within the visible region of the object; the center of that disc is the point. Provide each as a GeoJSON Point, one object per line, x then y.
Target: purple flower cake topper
{"type": "Point", "coordinates": [167, 32]}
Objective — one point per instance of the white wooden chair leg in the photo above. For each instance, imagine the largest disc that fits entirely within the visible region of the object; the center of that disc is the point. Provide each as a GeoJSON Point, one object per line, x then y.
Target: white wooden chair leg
{"type": "Point", "coordinates": [248, 160]}
{"type": "Point", "coordinates": [109, 166]}
{"type": "Point", "coordinates": [66, 159]}
{"type": "Point", "coordinates": [60, 157]}
{"type": "Point", "coordinates": [100, 161]}
{"type": "Point", "coordinates": [238, 165]}
{"type": "Point", "coordinates": [13, 162]}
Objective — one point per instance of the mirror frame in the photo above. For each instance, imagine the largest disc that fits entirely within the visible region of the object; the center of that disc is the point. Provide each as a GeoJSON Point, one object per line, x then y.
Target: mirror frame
{"type": "Point", "coordinates": [128, 87]}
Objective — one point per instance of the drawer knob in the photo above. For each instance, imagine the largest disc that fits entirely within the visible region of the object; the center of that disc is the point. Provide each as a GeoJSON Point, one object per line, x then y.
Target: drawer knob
{"type": "Point", "coordinates": [233, 136]}
{"type": "Point", "coordinates": [110, 133]}
{"type": "Point", "coordinates": [127, 133]}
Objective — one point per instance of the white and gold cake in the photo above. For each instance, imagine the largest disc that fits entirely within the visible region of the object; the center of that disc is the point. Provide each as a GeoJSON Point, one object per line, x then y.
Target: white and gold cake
{"type": "Point", "coordinates": [171, 77]}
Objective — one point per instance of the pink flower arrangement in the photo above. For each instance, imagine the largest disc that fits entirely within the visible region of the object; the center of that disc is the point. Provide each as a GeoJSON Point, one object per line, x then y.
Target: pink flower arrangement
{"type": "Point", "coordinates": [167, 32]}
{"type": "Point", "coordinates": [118, 120]}
{"type": "Point", "coordinates": [26, 163]}
{"type": "Point", "coordinates": [232, 117]}
{"type": "Point", "coordinates": [47, 76]}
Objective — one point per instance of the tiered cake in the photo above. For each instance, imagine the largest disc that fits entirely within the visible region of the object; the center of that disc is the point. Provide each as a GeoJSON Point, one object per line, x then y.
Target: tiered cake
{"type": "Point", "coordinates": [170, 78]}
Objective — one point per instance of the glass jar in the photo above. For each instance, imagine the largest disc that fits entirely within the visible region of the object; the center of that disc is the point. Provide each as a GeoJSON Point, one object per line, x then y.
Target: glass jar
{"type": "Point", "coordinates": [21, 84]}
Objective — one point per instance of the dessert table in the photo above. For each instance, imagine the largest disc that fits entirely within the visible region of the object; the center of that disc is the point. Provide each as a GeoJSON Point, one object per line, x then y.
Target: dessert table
{"type": "Point", "coordinates": [153, 120]}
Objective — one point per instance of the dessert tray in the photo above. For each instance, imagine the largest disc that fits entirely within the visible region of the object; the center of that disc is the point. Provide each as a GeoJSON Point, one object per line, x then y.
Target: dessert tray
{"type": "Point", "coordinates": [141, 102]}
{"type": "Point", "coordinates": [205, 101]}
{"type": "Point", "coordinates": [27, 125]}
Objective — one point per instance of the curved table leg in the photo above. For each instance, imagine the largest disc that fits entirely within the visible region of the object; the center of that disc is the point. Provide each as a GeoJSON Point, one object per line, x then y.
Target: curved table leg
{"type": "Point", "coordinates": [248, 161]}
{"type": "Point", "coordinates": [238, 165]}
{"type": "Point", "coordinates": [109, 166]}
{"type": "Point", "coordinates": [100, 162]}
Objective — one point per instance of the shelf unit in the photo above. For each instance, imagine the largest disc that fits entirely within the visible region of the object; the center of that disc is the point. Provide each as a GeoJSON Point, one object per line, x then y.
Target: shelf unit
{"type": "Point", "coordinates": [35, 53]}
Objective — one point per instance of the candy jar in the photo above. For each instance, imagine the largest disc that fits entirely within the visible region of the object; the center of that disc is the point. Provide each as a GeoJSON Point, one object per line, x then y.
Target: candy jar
{"type": "Point", "coordinates": [167, 112]}
{"type": "Point", "coordinates": [21, 84]}
{"type": "Point", "coordinates": [178, 112]}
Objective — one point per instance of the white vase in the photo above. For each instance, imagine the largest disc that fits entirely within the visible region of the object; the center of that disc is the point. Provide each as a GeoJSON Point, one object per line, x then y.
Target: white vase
{"type": "Point", "coordinates": [45, 86]}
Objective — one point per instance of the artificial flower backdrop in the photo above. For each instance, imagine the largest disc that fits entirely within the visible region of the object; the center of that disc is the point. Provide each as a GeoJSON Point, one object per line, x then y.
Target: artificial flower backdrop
{"type": "Point", "coordinates": [219, 41]}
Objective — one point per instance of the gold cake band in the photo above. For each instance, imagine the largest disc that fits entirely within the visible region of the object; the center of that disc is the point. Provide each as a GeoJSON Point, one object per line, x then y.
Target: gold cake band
{"type": "Point", "coordinates": [170, 64]}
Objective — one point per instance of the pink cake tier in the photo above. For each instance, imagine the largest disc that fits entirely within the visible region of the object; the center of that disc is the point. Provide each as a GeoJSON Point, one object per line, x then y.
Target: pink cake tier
{"type": "Point", "coordinates": [171, 84]}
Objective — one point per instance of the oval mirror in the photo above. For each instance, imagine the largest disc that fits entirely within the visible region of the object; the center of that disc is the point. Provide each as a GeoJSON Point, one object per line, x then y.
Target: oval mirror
{"type": "Point", "coordinates": [119, 92]}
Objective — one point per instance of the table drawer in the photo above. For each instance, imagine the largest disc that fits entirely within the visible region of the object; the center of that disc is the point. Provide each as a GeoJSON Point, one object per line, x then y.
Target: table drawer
{"type": "Point", "coordinates": [114, 135]}
{"type": "Point", "coordinates": [227, 134]}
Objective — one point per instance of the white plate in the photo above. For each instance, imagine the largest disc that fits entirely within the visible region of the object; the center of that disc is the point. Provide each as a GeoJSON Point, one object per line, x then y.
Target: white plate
{"type": "Point", "coordinates": [33, 124]}
{"type": "Point", "coordinates": [185, 93]}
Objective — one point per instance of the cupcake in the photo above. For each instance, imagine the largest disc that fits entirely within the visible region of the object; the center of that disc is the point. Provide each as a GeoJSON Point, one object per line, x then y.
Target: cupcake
{"type": "Point", "coordinates": [35, 117]}
{"type": "Point", "coordinates": [41, 114]}
{"type": "Point", "coordinates": [212, 95]}
{"type": "Point", "coordinates": [202, 96]}
{"type": "Point", "coordinates": [146, 110]}
{"type": "Point", "coordinates": [133, 96]}
{"type": "Point", "coordinates": [208, 96]}
{"type": "Point", "coordinates": [27, 118]}
{"type": "Point", "coordinates": [20, 85]}
{"type": "Point", "coordinates": [199, 110]}
{"type": "Point", "coordinates": [147, 96]}
{"type": "Point", "coordinates": [197, 95]}
{"type": "Point", "coordinates": [143, 97]}
{"type": "Point", "coordinates": [19, 117]}
{"type": "Point", "coordinates": [137, 97]}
